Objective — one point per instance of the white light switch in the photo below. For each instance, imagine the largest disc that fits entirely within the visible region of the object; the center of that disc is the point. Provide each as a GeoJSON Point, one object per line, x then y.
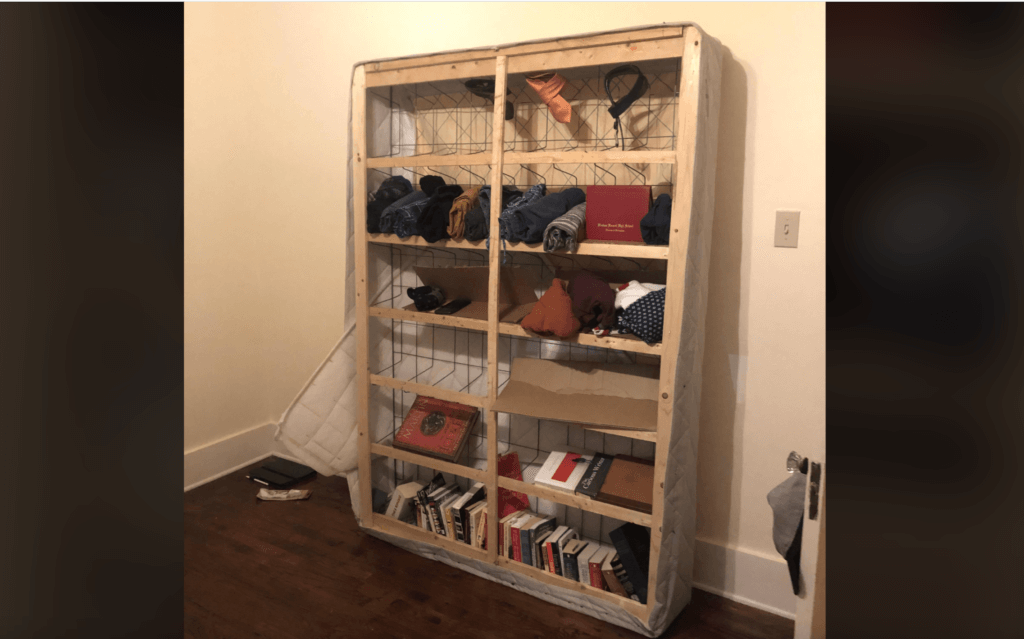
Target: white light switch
{"type": "Point", "coordinates": [787, 228]}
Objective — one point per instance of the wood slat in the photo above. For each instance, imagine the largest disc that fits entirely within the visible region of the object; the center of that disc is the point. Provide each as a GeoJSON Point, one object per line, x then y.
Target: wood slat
{"type": "Point", "coordinates": [619, 53]}
{"type": "Point", "coordinates": [429, 318]}
{"type": "Point", "coordinates": [591, 157]}
{"type": "Point", "coordinates": [432, 73]}
{"type": "Point", "coordinates": [600, 247]}
{"type": "Point", "coordinates": [391, 526]}
{"type": "Point", "coordinates": [415, 240]}
{"type": "Point", "coordinates": [429, 462]}
{"type": "Point", "coordinates": [476, 159]}
{"type": "Point", "coordinates": [362, 291]}
{"type": "Point", "coordinates": [576, 501]}
{"type": "Point", "coordinates": [429, 391]}
{"type": "Point", "coordinates": [630, 344]}
{"type": "Point", "coordinates": [557, 44]}
{"type": "Point", "coordinates": [633, 607]}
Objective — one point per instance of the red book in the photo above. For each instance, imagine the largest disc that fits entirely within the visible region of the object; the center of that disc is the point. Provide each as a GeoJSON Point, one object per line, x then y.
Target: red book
{"type": "Point", "coordinates": [436, 428]}
{"type": "Point", "coordinates": [510, 501]}
{"type": "Point", "coordinates": [614, 212]}
{"type": "Point", "coordinates": [551, 558]}
{"type": "Point", "coordinates": [596, 578]}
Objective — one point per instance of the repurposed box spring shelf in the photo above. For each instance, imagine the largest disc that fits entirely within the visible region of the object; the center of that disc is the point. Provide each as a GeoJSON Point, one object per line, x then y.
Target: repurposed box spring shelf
{"type": "Point", "coordinates": [680, 162]}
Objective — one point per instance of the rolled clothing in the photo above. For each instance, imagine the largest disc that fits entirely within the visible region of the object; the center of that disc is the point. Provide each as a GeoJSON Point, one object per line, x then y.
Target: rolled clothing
{"type": "Point", "coordinates": [389, 214]}
{"type": "Point", "coordinates": [432, 224]}
{"type": "Point", "coordinates": [407, 217]}
{"type": "Point", "coordinates": [629, 293]}
{"type": "Point", "coordinates": [430, 183]}
{"type": "Point", "coordinates": [593, 301]}
{"type": "Point", "coordinates": [460, 207]}
{"type": "Point", "coordinates": [477, 220]}
{"type": "Point", "coordinates": [509, 223]}
{"type": "Point", "coordinates": [426, 298]}
{"type": "Point", "coordinates": [563, 232]}
{"type": "Point", "coordinates": [654, 227]}
{"type": "Point", "coordinates": [527, 223]}
{"type": "Point", "coordinates": [390, 191]}
{"type": "Point", "coordinates": [645, 317]}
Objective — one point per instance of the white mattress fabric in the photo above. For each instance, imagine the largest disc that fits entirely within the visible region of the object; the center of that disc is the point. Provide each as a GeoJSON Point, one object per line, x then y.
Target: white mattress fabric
{"type": "Point", "coordinates": [320, 429]}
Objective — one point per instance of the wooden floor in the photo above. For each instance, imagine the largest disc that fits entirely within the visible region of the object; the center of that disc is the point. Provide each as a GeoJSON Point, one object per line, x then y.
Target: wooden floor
{"type": "Point", "coordinates": [304, 570]}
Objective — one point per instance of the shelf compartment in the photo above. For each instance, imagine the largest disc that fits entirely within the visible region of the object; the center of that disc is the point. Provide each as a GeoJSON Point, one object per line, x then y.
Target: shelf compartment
{"type": "Point", "coordinates": [576, 501]}
{"type": "Point", "coordinates": [429, 462]}
{"type": "Point", "coordinates": [391, 526]}
{"type": "Point", "coordinates": [635, 608]}
{"type": "Point", "coordinates": [415, 240]}
{"type": "Point", "coordinates": [586, 247]}
{"type": "Point", "coordinates": [617, 397]}
{"type": "Point", "coordinates": [429, 391]}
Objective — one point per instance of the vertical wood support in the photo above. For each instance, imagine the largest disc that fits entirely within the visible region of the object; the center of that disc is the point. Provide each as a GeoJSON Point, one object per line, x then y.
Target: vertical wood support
{"type": "Point", "coordinates": [493, 279]}
{"type": "Point", "coordinates": [362, 290]}
{"type": "Point", "coordinates": [679, 237]}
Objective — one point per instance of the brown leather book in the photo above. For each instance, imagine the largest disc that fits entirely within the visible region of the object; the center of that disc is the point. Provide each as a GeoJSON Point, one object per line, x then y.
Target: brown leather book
{"type": "Point", "coordinates": [630, 484]}
{"type": "Point", "coordinates": [610, 580]}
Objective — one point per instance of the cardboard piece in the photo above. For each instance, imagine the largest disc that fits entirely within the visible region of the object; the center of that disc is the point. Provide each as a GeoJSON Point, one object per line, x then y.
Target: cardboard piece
{"type": "Point", "coordinates": [516, 287]}
{"type": "Point", "coordinates": [611, 395]}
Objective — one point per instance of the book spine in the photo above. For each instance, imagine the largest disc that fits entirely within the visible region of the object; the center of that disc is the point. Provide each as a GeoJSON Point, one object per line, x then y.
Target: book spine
{"type": "Point", "coordinates": [551, 558]}
{"type": "Point", "coordinates": [569, 566]}
{"type": "Point", "coordinates": [593, 479]}
{"type": "Point", "coordinates": [613, 583]}
{"type": "Point", "coordinates": [460, 534]}
{"type": "Point", "coordinates": [482, 543]}
{"type": "Point", "coordinates": [596, 578]}
{"type": "Point", "coordinates": [449, 525]}
{"type": "Point", "coordinates": [436, 519]}
{"type": "Point", "coordinates": [524, 547]}
{"type": "Point", "coordinates": [517, 552]}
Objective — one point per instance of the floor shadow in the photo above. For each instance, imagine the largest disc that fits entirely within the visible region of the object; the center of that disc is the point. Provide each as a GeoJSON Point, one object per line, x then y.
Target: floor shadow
{"type": "Point", "coordinates": [724, 363]}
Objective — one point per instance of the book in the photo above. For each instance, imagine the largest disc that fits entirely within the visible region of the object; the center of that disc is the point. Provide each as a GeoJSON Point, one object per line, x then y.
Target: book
{"type": "Point", "coordinates": [593, 478]}
{"type": "Point", "coordinates": [569, 555]}
{"type": "Point", "coordinates": [481, 540]}
{"type": "Point", "coordinates": [446, 512]}
{"type": "Point", "coordinates": [503, 532]}
{"type": "Point", "coordinates": [280, 473]}
{"type": "Point", "coordinates": [543, 526]}
{"type": "Point", "coordinates": [431, 507]}
{"type": "Point", "coordinates": [608, 572]}
{"type": "Point", "coordinates": [459, 515]}
{"type": "Point", "coordinates": [614, 212]}
{"type": "Point", "coordinates": [473, 513]}
{"type": "Point", "coordinates": [525, 550]}
{"type": "Point", "coordinates": [563, 470]}
{"type": "Point", "coordinates": [629, 483]}
{"type": "Point", "coordinates": [436, 504]}
{"type": "Point", "coordinates": [583, 563]}
{"type": "Point", "coordinates": [402, 501]}
{"type": "Point", "coordinates": [421, 497]}
{"type": "Point", "coordinates": [540, 555]}
{"type": "Point", "coordinates": [633, 545]}
{"type": "Point", "coordinates": [436, 428]}
{"type": "Point", "coordinates": [560, 546]}
{"type": "Point", "coordinates": [550, 548]}
{"type": "Point", "coordinates": [511, 501]}
{"type": "Point", "coordinates": [594, 564]}
{"type": "Point", "coordinates": [515, 539]}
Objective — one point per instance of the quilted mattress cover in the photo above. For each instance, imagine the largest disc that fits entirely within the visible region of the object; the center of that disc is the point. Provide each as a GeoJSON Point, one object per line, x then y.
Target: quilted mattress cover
{"type": "Point", "coordinates": [320, 429]}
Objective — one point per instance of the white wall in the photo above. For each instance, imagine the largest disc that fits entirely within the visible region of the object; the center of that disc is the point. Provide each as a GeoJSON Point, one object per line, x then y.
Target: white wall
{"type": "Point", "coordinates": [266, 95]}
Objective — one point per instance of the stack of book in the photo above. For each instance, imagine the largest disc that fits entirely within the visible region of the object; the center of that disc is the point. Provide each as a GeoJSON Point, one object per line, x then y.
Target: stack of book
{"type": "Point", "coordinates": [444, 509]}
{"type": "Point", "coordinates": [620, 479]}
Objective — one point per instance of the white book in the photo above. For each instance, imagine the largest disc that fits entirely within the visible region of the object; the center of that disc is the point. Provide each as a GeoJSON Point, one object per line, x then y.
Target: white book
{"type": "Point", "coordinates": [583, 561]}
{"type": "Point", "coordinates": [401, 506]}
{"type": "Point", "coordinates": [563, 469]}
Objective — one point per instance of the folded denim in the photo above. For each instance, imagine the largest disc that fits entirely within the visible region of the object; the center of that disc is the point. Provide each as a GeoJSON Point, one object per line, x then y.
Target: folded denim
{"type": "Point", "coordinates": [511, 225]}
{"type": "Point", "coordinates": [478, 224]}
{"type": "Point", "coordinates": [527, 223]}
{"type": "Point", "coordinates": [407, 217]}
{"type": "Point", "coordinates": [390, 213]}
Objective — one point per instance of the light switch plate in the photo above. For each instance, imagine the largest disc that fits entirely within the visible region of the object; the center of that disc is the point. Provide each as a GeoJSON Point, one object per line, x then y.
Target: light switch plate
{"type": "Point", "coordinates": [787, 228]}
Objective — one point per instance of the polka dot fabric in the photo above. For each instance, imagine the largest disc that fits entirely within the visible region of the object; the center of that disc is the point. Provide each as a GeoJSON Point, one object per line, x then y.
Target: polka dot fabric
{"type": "Point", "coordinates": [645, 317]}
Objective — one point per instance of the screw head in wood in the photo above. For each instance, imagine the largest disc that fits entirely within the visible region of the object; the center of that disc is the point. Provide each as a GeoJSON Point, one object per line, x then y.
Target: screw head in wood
{"type": "Point", "coordinates": [664, 395]}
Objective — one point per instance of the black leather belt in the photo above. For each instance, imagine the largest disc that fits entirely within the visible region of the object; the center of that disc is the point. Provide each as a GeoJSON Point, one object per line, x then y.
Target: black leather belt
{"type": "Point", "coordinates": [485, 89]}
{"type": "Point", "coordinates": [618, 108]}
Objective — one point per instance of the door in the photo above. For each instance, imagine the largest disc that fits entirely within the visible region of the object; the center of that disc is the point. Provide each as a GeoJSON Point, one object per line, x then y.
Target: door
{"type": "Point", "coordinates": [810, 603]}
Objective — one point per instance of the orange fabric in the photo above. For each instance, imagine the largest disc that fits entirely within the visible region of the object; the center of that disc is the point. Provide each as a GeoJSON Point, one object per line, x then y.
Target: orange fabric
{"type": "Point", "coordinates": [548, 86]}
{"type": "Point", "coordinates": [553, 313]}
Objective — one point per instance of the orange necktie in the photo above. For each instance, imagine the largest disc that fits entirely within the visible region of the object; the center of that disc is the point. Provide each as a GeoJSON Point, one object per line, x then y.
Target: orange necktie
{"type": "Point", "coordinates": [548, 85]}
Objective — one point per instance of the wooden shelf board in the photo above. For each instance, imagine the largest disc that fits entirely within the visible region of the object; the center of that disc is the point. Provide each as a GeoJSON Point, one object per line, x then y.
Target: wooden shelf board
{"type": "Point", "coordinates": [589, 157]}
{"type": "Point", "coordinates": [635, 608]}
{"type": "Point", "coordinates": [577, 501]}
{"type": "Point", "coordinates": [429, 391]}
{"type": "Point", "coordinates": [586, 247]}
{"type": "Point", "coordinates": [429, 462]}
{"type": "Point", "coordinates": [454, 320]}
{"type": "Point", "coordinates": [475, 159]}
{"type": "Point", "coordinates": [391, 526]}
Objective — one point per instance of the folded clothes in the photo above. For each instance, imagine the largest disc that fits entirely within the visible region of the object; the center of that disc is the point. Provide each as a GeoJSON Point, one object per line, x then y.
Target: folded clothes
{"type": "Point", "coordinates": [645, 317]}
{"type": "Point", "coordinates": [629, 293]}
{"type": "Point", "coordinates": [478, 224]}
{"type": "Point", "coordinates": [563, 232]}
{"type": "Point", "coordinates": [654, 227]}
{"type": "Point", "coordinates": [460, 207]}
{"type": "Point", "coordinates": [433, 221]}
{"type": "Point", "coordinates": [526, 221]}
{"type": "Point", "coordinates": [509, 224]}
{"type": "Point", "coordinates": [593, 301]}
{"type": "Point", "coordinates": [390, 191]}
{"type": "Point", "coordinates": [407, 216]}
{"type": "Point", "coordinates": [390, 213]}
{"type": "Point", "coordinates": [426, 298]}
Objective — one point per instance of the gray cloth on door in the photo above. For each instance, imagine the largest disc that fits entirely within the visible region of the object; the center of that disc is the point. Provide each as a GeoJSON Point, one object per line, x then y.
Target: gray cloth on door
{"type": "Point", "coordinates": [787, 502]}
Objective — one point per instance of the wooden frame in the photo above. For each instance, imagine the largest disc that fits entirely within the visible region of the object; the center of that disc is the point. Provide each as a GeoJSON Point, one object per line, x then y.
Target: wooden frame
{"type": "Point", "coordinates": [693, 161]}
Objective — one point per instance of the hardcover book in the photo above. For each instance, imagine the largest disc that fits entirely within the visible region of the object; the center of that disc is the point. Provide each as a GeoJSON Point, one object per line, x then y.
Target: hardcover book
{"type": "Point", "coordinates": [403, 501]}
{"type": "Point", "coordinates": [516, 536]}
{"type": "Point", "coordinates": [583, 563]}
{"type": "Point", "coordinates": [536, 530]}
{"type": "Point", "coordinates": [563, 470]}
{"type": "Point", "coordinates": [630, 484]}
{"type": "Point", "coordinates": [421, 498]}
{"type": "Point", "coordinates": [503, 533]}
{"type": "Point", "coordinates": [614, 212]}
{"type": "Point", "coordinates": [594, 476]}
{"type": "Point", "coordinates": [569, 557]}
{"type": "Point", "coordinates": [633, 543]}
{"type": "Point", "coordinates": [436, 428]}
{"type": "Point", "coordinates": [511, 501]}
{"type": "Point", "coordinates": [595, 563]}
{"type": "Point", "coordinates": [551, 548]}
{"type": "Point", "coordinates": [608, 572]}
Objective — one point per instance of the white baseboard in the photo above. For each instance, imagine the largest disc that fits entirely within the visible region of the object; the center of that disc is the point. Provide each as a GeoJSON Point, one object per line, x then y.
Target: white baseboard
{"type": "Point", "coordinates": [745, 577]}
{"type": "Point", "coordinates": [206, 463]}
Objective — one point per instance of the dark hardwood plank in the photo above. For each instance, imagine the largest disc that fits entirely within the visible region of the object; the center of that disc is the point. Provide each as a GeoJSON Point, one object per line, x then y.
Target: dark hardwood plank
{"type": "Point", "coordinates": [304, 570]}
